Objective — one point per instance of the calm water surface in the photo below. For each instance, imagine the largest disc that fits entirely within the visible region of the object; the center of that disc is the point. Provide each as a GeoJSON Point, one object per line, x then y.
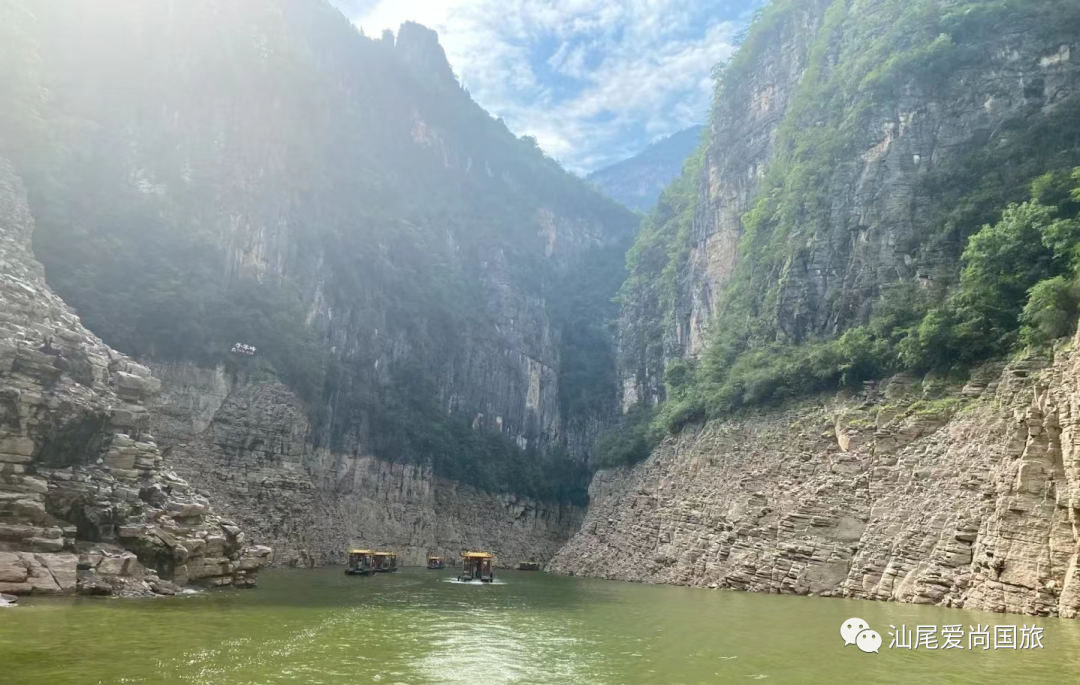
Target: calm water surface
{"type": "Point", "coordinates": [414, 627]}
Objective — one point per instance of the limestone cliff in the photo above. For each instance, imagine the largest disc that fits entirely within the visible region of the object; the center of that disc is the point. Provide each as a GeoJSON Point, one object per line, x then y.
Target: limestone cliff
{"type": "Point", "coordinates": [963, 498]}
{"type": "Point", "coordinates": [87, 501]}
{"type": "Point", "coordinates": [404, 266]}
{"type": "Point", "coordinates": [856, 152]}
{"type": "Point", "coordinates": [911, 123]}
{"type": "Point", "coordinates": [246, 446]}
{"type": "Point", "coordinates": [394, 253]}
{"type": "Point", "coordinates": [852, 149]}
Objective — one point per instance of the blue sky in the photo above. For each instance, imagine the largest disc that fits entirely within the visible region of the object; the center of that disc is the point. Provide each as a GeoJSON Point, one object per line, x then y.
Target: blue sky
{"type": "Point", "coordinates": [594, 80]}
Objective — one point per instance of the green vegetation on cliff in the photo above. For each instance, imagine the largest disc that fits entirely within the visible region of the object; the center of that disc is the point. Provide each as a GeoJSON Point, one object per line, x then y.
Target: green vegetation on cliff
{"type": "Point", "coordinates": [656, 266]}
{"type": "Point", "coordinates": [649, 299]}
{"type": "Point", "coordinates": [262, 173]}
{"type": "Point", "coordinates": [989, 234]}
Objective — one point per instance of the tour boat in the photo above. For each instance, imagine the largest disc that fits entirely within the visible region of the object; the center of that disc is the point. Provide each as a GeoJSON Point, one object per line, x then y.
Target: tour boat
{"type": "Point", "coordinates": [435, 563]}
{"type": "Point", "coordinates": [360, 562]}
{"type": "Point", "coordinates": [477, 566]}
{"type": "Point", "coordinates": [384, 562]}
{"type": "Point", "coordinates": [528, 566]}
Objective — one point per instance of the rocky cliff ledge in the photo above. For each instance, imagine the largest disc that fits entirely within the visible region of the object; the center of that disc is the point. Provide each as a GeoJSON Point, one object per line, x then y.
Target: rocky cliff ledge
{"type": "Point", "coordinates": [87, 503]}
{"type": "Point", "coordinates": [246, 445]}
{"type": "Point", "coordinates": [966, 498]}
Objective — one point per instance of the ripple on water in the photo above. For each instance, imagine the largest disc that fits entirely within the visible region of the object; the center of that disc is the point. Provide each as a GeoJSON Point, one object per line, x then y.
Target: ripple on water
{"type": "Point", "coordinates": [323, 628]}
{"type": "Point", "coordinates": [295, 656]}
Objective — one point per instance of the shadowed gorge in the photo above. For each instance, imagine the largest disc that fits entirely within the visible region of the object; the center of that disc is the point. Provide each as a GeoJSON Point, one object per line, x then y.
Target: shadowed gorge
{"type": "Point", "coordinates": [427, 295]}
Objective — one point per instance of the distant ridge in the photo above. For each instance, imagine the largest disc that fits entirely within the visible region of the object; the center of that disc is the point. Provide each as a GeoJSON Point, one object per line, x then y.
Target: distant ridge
{"type": "Point", "coordinates": [638, 181]}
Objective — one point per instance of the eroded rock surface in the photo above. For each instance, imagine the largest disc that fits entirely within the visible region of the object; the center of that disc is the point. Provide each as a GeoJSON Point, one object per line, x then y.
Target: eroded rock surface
{"type": "Point", "coordinates": [966, 500]}
{"type": "Point", "coordinates": [246, 445]}
{"type": "Point", "coordinates": [86, 499]}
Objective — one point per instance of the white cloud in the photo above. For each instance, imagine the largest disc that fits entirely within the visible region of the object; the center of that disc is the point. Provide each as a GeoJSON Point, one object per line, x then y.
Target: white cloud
{"type": "Point", "coordinates": [593, 80]}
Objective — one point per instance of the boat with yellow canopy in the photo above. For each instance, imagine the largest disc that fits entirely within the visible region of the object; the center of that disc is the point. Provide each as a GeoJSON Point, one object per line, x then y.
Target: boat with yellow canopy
{"type": "Point", "coordinates": [360, 562]}
{"type": "Point", "coordinates": [435, 563]}
{"type": "Point", "coordinates": [384, 562]}
{"type": "Point", "coordinates": [477, 566]}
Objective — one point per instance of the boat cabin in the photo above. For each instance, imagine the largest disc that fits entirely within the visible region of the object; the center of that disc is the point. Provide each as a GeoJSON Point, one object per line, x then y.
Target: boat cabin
{"type": "Point", "coordinates": [360, 562]}
{"type": "Point", "coordinates": [477, 566]}
{"type": "Point", "coordinates": [384, 562]}
{"type": "Point", "coordinates": [435, 563]}
{"type": "Point", "coordinates": [528, 566]}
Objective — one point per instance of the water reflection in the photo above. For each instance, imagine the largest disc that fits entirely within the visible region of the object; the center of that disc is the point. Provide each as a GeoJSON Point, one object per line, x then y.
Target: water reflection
{"type": "Point", "coordinates": [498, 647]}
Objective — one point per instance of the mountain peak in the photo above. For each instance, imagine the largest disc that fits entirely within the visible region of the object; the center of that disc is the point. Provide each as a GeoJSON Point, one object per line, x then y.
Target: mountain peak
{"type": "Point", "coordinates": [418, 47]}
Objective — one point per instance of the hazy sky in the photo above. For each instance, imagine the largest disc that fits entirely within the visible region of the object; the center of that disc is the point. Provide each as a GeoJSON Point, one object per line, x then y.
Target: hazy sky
{"type": "Point", "coordinates": [594, 80]}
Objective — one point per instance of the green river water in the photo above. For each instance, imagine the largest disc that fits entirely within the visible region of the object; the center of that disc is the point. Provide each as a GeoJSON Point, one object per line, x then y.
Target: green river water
{"type": "Point", "coordinates": [320, 626]}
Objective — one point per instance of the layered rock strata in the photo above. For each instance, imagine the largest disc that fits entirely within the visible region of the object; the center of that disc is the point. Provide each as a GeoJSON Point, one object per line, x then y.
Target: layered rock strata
{"type": "Point", "coordinates": [964, 500]}
{"type": "Point", "coordinates": [246, 445]}
{"type": "Point", "coordinates": [87, 501]}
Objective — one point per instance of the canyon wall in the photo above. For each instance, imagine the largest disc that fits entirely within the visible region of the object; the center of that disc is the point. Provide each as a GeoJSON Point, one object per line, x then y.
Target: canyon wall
{"type": "Point", "coordinates": [245, 444]}
{"type": "Point", "coordinates": [819, 239]}
{"type": "Point", "coordinates": [852, 149]}
{"type": "Point", "coordinates": [896, 138]}
{"type": "Point", "coordinates": [405, 271]}
{"type": "Point", "coordinates": [87, 501]}
{"type": "Point", "coordinates": [391, 249]}
{"type": "Point", "coordinates": [743, 133]}
{"type": "Point", "coordinates": [910, 492]}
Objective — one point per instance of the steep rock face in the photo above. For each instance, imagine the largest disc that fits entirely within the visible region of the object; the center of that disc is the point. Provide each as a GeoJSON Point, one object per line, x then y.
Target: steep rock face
{"type": "Point", "coordinates": [884, 496]}
{"type": "Point", "coordinates": [246, 446]}
{"type": "Point", "coordinates": [695, 228]}
{"type": "Point", "coordinates": [86, 499]}
{"type": "Point", "coordinates": [877, 209]}
{"type": "Point", "coordinates": [263, 173]}
{"type": "Point", "coordinates": [394, 253]}
{"type": "Point", "coordinates": [743, 135]}
{"type": "Point", "coordinates": [853, 147]}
